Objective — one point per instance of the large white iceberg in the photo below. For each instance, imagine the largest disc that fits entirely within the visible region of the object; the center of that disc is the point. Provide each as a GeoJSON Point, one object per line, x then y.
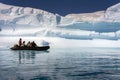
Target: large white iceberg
{"type": "Point", "coordinates": [25, 21]}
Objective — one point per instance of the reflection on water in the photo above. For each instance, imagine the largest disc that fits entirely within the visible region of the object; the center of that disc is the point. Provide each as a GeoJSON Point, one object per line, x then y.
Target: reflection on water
{"type": "Point", "coordinates": [28, 57]}
{"type": "Point", "coordinates": [61, 64]}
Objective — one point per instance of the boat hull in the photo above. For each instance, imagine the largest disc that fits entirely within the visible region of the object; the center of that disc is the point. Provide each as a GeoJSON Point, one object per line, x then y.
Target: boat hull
{"type": "Point", "coordinates": [31, 48]}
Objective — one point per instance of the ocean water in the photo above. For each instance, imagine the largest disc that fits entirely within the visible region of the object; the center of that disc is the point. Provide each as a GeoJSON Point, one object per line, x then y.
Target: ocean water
{"type": "Point", "coordinates": [61, 64]}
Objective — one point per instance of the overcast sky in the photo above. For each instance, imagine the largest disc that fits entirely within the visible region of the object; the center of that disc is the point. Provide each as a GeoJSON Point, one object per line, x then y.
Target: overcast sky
{"type": "Point", "coordinates": [64, 7]}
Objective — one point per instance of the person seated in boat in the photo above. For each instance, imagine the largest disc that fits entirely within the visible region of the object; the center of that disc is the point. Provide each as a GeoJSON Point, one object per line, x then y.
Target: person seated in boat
{"type": "Point", "coordinates": [29, 44]}
{"type": "Point", "coordinates": [33, 44]}
{"type": "Point", "coordinates": [20, 42]}
{"type": "Point", "coordinates": [23, 44]}
{"type": "Point", "coordinates": [15, 45]}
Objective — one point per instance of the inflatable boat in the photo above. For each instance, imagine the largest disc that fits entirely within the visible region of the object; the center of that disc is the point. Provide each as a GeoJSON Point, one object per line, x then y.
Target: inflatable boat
{"type": "Point", "coordinates": [39, 48]}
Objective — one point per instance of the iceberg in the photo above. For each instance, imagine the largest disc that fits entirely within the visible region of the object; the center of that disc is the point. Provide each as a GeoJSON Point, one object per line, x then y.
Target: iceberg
{"type": "Point", "coordinates": [26, 21]}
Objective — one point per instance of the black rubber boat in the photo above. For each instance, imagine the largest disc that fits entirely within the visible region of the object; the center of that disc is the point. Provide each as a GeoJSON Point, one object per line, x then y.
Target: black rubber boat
{"type": "Point", "coordinates": [31, 48]}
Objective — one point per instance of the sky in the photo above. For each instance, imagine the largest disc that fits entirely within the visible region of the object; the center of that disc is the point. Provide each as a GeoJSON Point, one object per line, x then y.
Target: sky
{"type": "Point", "coordinates": [64, 7]}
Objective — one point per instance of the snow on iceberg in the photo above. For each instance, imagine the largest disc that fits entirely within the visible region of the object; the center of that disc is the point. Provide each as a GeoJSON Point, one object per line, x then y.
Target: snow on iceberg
{"type": "Point", "coordinates": [24, 15]}
{"type": "Point", "coordinates": [113, 13]}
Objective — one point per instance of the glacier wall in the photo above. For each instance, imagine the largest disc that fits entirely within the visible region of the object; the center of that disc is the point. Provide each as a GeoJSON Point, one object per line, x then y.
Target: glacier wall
{"type": "Point", "coordinates": [25, 21]}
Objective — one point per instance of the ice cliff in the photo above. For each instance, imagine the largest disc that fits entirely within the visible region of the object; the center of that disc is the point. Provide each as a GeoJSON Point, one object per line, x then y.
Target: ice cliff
{"type": "Point", "coordinates": [25, 21]}
{"type": "Point", "coordinates": [26, 16]}
{"type": "Point", "coordinates": [111, 14]}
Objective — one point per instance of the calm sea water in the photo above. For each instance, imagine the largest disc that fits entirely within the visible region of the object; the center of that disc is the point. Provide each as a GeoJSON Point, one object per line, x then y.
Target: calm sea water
{"type": "Point", "coordinates": [61, 64]}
